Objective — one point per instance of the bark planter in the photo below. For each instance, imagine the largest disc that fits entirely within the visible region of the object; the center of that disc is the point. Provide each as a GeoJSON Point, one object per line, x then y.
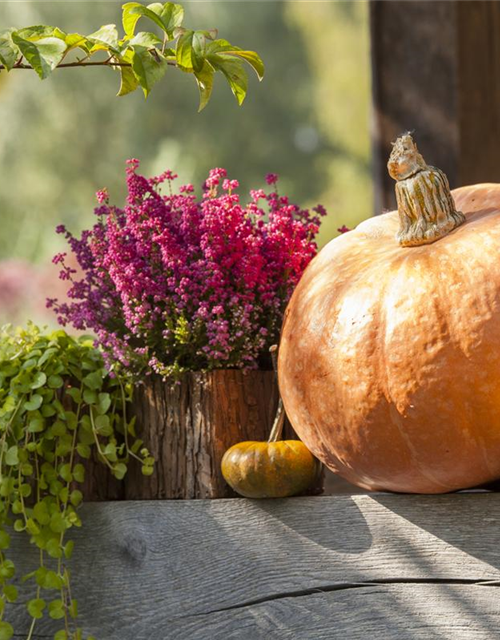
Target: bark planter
{"type": "Point", "coordinates": [188, 427]}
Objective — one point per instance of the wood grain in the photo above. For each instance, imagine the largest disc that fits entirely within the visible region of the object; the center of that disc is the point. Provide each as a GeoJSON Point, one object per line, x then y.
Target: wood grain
{"type": "Point", "coordinates": [188, 428]}
{"type": "Point", "coordinates": [436, 70]}
{"type": "Point", "coordinates": [335, 567]}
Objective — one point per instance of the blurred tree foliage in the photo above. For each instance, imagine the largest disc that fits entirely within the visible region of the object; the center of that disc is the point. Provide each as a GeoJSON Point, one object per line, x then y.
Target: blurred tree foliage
{"type": "Point", "coordinates": [63, 139]}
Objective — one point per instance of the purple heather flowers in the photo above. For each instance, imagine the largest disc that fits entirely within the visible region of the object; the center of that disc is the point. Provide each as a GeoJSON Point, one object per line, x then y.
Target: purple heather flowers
{"type": "Point", "coordinates": [171, 283]}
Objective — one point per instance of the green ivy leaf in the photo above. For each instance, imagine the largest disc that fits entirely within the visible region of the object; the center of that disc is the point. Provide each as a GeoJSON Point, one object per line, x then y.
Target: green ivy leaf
{"type": "Point", "coordinates": [6, 630]}
{"type": "Point", "coordinates": [83, 450]}
{"type": "Point", "coordinates": [65, 472]}
{"type": "Point", "coordinates": [39, 380]}
{"type": "Point", "coordinates": [43, 55]}
{"type": "Point", "coordinates": [57, 523]}
{"type": "Point", "coordinates": [76, 497]}
{"type": "Point", "coordinates": [60, 635]}
{"type": "Point", "coordinates": [12, 456]}
{"type": "Point", "coordinates": [4, 540]}
{"type": "Point", "coordinates": [119, 470]}
{"type": "Point", "coordinates": [10, 592]}
{"type": "Point", "coordinates": [35, 608]}
{"type": "Point", "coordinates": [149, 67]}
{"type": "Point", "coordinates": [34, 402]}
{"type": "Point", "coordinates": [93, 380]}
{"type": "Point", "coordinates": [55, 382]}
{"type": "Point", "coordinates": [79, 473]}
{"type": "Point", "coordinates": [103, 402]}
{"type": "Point", "coordinates": [53, 548]}
{"type": "Point", "coordinates": [9, 52]}
{"type": "Point", "coordinates": [56, 609]}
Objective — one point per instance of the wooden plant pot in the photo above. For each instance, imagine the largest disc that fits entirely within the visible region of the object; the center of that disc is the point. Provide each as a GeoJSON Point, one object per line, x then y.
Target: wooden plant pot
{"type": "Point", "coordinates": [188, 427]}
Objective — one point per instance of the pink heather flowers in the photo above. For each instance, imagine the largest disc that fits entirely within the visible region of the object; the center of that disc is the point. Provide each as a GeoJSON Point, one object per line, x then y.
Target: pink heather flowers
{"type": "Point", "coordinates": [171, 283]}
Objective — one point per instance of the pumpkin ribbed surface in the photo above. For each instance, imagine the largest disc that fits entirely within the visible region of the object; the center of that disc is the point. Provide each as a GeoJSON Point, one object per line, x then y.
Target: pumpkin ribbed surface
{"type": "Point", "coordinates": [389, 363]}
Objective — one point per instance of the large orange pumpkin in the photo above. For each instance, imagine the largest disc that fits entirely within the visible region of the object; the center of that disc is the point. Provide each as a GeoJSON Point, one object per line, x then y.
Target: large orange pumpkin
{"type": "Point", "coordinates": [389, 363]}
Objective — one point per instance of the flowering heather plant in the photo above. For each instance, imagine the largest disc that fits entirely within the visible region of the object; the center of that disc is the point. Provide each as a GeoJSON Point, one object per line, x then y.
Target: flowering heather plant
{"type": "Point", "coordinates": [171, 283]}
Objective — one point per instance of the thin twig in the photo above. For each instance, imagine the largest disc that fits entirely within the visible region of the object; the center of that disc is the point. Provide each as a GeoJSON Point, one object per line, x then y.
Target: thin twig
{"type": "Point", "coordinates": [69, 65]}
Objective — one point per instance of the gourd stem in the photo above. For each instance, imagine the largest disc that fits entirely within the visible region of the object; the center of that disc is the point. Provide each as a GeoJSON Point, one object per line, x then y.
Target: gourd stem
{"type": "Point", "coordinates": [279, 420]}
{"type": "Point", "coordinates": [425, 204]}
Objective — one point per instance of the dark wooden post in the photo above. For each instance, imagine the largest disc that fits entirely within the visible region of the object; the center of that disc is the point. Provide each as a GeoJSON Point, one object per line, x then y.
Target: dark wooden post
{"type": "Point", "coordinates": [436, 70]}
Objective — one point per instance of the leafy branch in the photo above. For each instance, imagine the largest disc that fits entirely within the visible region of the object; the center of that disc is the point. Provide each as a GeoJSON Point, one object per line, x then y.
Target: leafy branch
{"type": "Point", "coordinates": [141, 58]}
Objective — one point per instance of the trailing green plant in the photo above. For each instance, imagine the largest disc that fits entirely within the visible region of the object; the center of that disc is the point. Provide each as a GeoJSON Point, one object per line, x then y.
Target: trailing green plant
{"type": "Point", "coordinates": [58, 403]}
{"type": "Point", "coordinates": [141, 58]}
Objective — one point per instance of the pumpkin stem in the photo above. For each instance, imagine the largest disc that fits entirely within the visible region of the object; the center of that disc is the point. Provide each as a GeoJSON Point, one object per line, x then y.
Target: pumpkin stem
{"type": "Point", "coordinates": [425, 204]}
{"type": "Point", "coordinates": [279, 420]}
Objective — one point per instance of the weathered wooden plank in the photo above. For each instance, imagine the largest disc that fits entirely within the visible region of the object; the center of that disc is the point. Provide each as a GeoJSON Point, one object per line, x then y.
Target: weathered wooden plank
{"type": "Point", "coordinates": [384, 612]}
{"type": "Point", "coordinates": [168, 570]}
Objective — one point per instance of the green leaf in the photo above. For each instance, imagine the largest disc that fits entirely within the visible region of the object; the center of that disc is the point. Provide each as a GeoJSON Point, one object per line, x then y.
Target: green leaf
{"type": "Point", "coordinates": [56, 609]}
{"type": "Point", "coordinates": [39, 380]}
{"type": "Point", "coordinates": [65, 472]}
{"type": "Point", "coordinates": [9, 52]}
{"type": "Point", "coordinates": [53, 548]}
{"type": "Point", "coordinates": [103, 402]}
{"type": "Point", "coordinates": [93, 380]}
{"type": "Point", "coordinates": [235, 74]}
{"type": "Point", "coordinates": [205, 81]}
{"type": "Point", "coordinates": [184, 51]}
{"type": "Point", "coordinates": [167, 16]}
{"type": "Point", "coordinates": [12, 456]}
{"type": "Point", "coordinates": [41, 513]}
{"type": "Point", "coordinates": [57, 523]}
{"type": "Point", "coordinates": [35, 608]}
{"type": "Point", "coordinates": [43, 55]}
{"type": "Point", "coordinates": [83, 450]}
{"type": "Point", "coordinates": [75, 40]}
{"type": "Point", "coordinates": [145, 39]}
{"type": "Point", "coordinates": [224, 48]}
{"type": "Point", "coordinates": [89, 397]}
{"type": "Point", "coordinates": [149, 67]}
{"type": "Point", "coordinates": [49, 580]}
{"type": "Point", "coordinates": [107, 37]}
{"type": "Point", "coordinates": [11, 593]}
{"type": "Point", "coordinates": [79, 473]}
{"type": "Point", "coordinates": [4, 540]}
{"type": "Point", "coordinates": [119, 470]}
{"type": "Point", "coordinates": [36, 425]}
{"type": "Point", "coordinates": [103, 425]}
{"type": "Point", "coordinates": [170, 14]}
{"type": "Point", "coordinates": [68, 549]}
{"type": "Point", "coordinates": [60, 635]}
{"type": "Point", "coordinates": [34, 402]}
{"type": "Point", "coordinates": [55, 382]}
{"type": "Point", "coordinates": [253, 59]}
{"type": "Point", "coordinates": [46, 356]}
{"type": "Point", "coordinates": [128, 81]}
{"type": "Point", "coordinates": [6, 630]}
{"type": "Point", "coordinates": [76, 497]}
{"type": "Point", "coordinates": [39, 31]}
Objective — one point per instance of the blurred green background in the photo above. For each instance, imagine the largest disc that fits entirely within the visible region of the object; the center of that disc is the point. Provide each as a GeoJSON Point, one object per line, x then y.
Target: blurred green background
{"type": "Point", "coordinates": [66, 137]}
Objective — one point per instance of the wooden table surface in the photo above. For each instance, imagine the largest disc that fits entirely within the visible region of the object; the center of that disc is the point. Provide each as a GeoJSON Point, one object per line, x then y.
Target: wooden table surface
{"type": "Point", "coordinates": [345, 567]}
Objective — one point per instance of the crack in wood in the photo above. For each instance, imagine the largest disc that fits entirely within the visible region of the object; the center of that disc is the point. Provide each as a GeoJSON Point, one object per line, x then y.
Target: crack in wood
{"type": "Point", "coordinates": [346, 586]}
